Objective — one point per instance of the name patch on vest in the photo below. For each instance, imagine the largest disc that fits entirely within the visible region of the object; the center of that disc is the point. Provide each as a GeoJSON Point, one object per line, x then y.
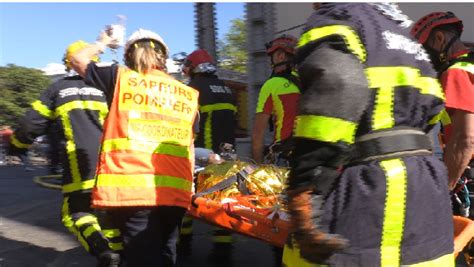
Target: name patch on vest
{"type": "Point", "coordinates": [161, 110]}
{"type": "Point", "coordinates": [161, 96]}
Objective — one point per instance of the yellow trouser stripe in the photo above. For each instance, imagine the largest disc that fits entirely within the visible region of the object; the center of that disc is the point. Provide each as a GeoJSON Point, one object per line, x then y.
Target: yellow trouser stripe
{"type": "Point", "coordinates": [143, 180]}
{"type": "Point", "coordinates": [443, 261]}
{"type": "Point", "coordinates": [216, 107]}
{"type": "Point", "coordinates": [186, 230]}
{"type": "Point", "coordinates": [349, 36]}
{"type": "Point", "coordinates": [111, 233]}
{"type": "Point", "coordinates": [14, 141]}
{"type": "Point", "coordinates": [85, 220]}
{"type": "Point", "coordinates": [69, 223]}
{"type": "Point", "coordinates": [222, 239]}
{"type": "Point", "coordinates": [292, 258]}
{"type": "Point", "coordinates": [42, 109]}
{"type": "Point", "coordinates": [394, 212]}
{"type": "Point", "coordinates": [143, 146]}
{"type": "Point", "coordinates": [116, 246]}
{"type": "Point", "coordinates": [90, 230]}
{"type": "Point", "coordinates": [208, 131]}
{"type": "Point", "coordinates": [326, 129]}
{"type": "Point", "coordinates": [72, 187]}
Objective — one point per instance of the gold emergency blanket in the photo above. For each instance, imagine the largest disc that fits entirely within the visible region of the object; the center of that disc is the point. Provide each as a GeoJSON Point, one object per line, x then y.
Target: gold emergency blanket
{"type": "Point", "coordinates": [265, 183]}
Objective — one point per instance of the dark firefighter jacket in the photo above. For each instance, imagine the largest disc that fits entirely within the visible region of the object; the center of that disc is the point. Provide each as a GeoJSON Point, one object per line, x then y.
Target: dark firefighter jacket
{"type": "Point", "coordinates": [80, 111]}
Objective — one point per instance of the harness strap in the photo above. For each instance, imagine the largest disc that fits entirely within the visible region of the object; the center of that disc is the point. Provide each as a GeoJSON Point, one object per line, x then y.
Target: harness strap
{"type": "Point", "coordinates": [390, 144]}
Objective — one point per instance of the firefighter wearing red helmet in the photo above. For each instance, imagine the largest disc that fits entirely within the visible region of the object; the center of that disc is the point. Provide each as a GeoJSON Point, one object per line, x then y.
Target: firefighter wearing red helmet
{"type": "Point", "coordinates": [216, 101]}
{"type": "Point", "coordinates": [278, 97]}
{"type": "Point", "coordinates": [216, 127]}
{"type": "Point", "coordinates": [440, 33]}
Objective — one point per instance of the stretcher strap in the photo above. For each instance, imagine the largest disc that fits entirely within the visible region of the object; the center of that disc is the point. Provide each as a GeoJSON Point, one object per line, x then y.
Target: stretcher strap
{"type": "Point", "coordinates": [238, 178]}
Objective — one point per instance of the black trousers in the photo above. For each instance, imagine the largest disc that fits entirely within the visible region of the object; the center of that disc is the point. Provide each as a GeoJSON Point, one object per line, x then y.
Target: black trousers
{"type": "Point", "coordinates": [149, 234]}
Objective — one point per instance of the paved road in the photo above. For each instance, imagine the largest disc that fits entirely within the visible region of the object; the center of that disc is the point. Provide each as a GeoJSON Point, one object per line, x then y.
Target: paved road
{"type": "Point", "coordinates": [31, 233]}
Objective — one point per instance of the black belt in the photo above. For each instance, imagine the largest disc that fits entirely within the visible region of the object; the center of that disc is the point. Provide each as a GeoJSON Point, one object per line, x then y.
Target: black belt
{"type": "Point", "coordinates": [391, 144]}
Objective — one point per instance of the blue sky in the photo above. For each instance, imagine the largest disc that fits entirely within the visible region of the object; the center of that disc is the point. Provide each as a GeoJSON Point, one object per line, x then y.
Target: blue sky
{"type": "Point", "coordinates": [35, 34]}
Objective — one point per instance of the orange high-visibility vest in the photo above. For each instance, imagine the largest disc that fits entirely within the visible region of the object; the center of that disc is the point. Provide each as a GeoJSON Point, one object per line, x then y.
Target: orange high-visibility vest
{"type": "Point", "coordinates": [147, 157]}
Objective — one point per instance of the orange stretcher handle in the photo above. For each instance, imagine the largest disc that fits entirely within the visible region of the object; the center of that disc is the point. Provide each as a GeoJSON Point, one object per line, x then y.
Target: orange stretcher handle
{"type": "Point", "coordinates": [463, 233]}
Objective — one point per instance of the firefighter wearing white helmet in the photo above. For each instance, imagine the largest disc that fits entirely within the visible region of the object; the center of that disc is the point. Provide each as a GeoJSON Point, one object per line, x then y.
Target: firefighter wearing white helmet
{"type": "Point", "coordinates": [144, 173]}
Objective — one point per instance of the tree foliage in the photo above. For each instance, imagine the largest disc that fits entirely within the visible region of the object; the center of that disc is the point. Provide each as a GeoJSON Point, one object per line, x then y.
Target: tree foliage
{"type": "Point", "coordinates": [233, 49]}
{"type": "Point", "coordinates": [19, 87]}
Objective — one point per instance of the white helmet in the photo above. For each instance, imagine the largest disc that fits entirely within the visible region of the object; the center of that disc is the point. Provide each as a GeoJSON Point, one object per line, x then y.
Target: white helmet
{"type": "Point", "coordinates": [141, 34]}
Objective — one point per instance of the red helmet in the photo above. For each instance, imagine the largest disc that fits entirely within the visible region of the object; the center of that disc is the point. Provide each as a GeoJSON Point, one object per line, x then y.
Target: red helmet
{"type": "Point", "coordinates": [198, 57]}
{"type": "Point", "coordinates": [285, 42]}
{"type": "Point", "coordinates": [423, 27]}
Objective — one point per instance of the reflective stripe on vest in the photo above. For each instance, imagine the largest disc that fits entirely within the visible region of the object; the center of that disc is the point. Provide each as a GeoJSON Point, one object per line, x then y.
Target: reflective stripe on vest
{"type": "Point", "coordinates": [63, 113]}
{"type": "Point", "coordinates": [385, 79]}
{"type": "Point", "coordinates": [350, 37]}
{"type": "Point", "coordinates": [463, 65]}
{"type": "Point", "coordinates": [14, 141]}
{"type": "Point", "coordinates": [42, 109]}
{"type": "Point", "coordinates": [146, 157]}
{"type": "Point", "coordinates": [216, 107]}
{"type": "Point", "coordinates": [322, 128]}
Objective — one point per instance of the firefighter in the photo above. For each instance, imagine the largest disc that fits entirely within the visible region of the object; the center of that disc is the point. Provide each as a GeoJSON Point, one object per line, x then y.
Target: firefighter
{"type": "Point", "coordinates": [145, 168]}
{"type": "Point", "coordinates": [216, 127]}
{"type": "Point", "coordinates": [216, 102]}
{"type": "Point", "coordinates": [365, 188]}
{"type": "Point", "coordinates": [79, 111]}
{"type": "Point", "coordinates": [278, 96]}
{"type": "Point", "coordinates": [440, 33]}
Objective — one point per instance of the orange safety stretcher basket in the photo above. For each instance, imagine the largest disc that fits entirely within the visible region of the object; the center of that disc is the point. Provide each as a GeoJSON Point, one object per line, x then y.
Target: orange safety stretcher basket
{"type": "Point", "coordinates": [243, 198]}
{"type": "Point", "coordinates": [463, 237]}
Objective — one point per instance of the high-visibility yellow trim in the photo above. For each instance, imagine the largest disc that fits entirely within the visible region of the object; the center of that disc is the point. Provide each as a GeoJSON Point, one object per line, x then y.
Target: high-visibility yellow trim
{"type": "Point", "coordinates": [69, 223]}
{"type": "Point", "coordinates": [62, 112]}
{"type": "Point", "coordinates": [443, 117]}
{"type": "Point", "coordinates": [86, 220]}
{"type": "Point", "coordinates": [85, 105]}
{"type": "Point", "coordinates": [403, 76]}
{"type": "Point", "coordinates": [350, 37]}
{"type": "Point", "coordinates": [90, 230]}
{"type": "Point", "coordinates": [466, 66]}
{"type": "Point", "coordinates": [292, 258]}
{"type": "Point", "coordinates": [14, 141]}
{"type": "Point", "coordinates": [111, 233]}
{"type": "Point", "coordinates": [143, 180]}
{"type": "Point", "coordinates": [218, 106]}
{"type": "Point", "coordinates": [208, 131]}
{"type": "Point", "coordinates": [83, 185]}
{"type": "Point", "coordinates": [42, 109]}
{"type": "Point", "coordinates": [186, 230]}
{"type": "Point", "coordinates": [326, 129]}
{"type": "Point", "coordinates": [143, 146]}
{"type": "Point", "coordinates": [116, 246]}
{"type": "Point", "coordinates": [382, 118]}
{"type": "Point", "coordinates": [222, 239]}
{"type": "Point", "coordinates": [394, 211]}
{"type": "Point", "coordinates": [443, 261]}
{"type": "Point", "coordinates": [385, 79]}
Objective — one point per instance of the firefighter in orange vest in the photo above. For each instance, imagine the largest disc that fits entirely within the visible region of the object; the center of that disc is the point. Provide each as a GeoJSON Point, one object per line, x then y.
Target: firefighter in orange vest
{"type": "Point", "coordinates": [278, 97]}
{"type": "Point", "coordinates": [145, 169]}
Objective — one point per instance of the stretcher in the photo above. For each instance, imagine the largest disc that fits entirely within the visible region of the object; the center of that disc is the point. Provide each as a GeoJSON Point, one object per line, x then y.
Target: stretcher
{"type": "Point", "coordinates": [239, 213]}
